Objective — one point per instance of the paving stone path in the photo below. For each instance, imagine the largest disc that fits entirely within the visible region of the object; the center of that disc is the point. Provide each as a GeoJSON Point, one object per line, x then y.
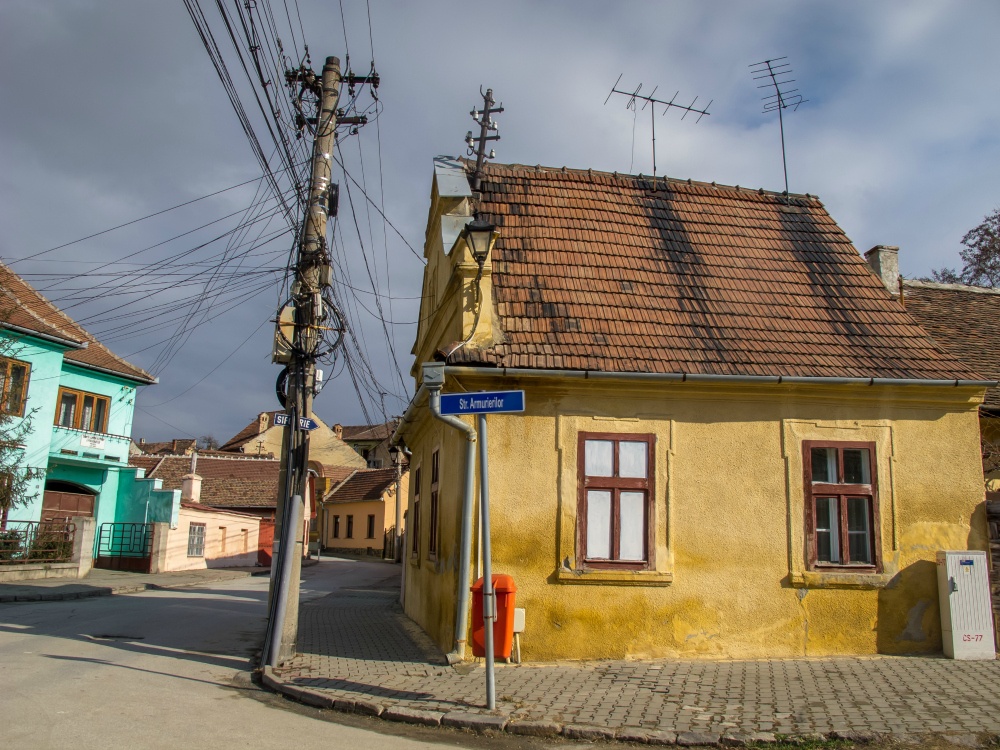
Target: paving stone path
{"type": "Point", "coordinates": [359, 651]}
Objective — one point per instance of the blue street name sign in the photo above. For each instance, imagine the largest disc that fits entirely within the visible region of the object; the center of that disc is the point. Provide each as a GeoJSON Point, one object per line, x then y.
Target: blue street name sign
{"type": "Point", "coordinates": [304, 424]}
{"type": "Point", "coordinates": [482, 402]}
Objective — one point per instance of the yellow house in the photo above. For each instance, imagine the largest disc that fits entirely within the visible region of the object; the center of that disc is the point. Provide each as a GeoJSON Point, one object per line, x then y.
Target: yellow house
{"type": "Point", "coordinates": [262, 438]}
{"type": "Point", "coordinates": [359, 514]}
{"type": "Point", "coordinates": [735, 442]}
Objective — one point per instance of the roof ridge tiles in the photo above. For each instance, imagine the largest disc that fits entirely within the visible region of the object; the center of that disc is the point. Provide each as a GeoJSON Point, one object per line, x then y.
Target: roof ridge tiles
{"type": "Point", "coordinates": [557, 172]}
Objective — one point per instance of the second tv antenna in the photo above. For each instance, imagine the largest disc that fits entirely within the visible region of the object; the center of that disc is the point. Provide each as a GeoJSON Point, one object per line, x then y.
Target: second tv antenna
{"type": "Point", "coordinates": [776, 74]}
{"type": "Point", "coordinates": [635, 96]}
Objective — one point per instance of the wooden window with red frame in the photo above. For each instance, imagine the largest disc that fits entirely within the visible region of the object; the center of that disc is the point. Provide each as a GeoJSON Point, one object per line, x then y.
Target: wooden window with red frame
{"type": "Point", "coordinates": [842, 514]}
{"type": "Point", "coordinates": [615, 505]}
{"type": "Point", "coordinates": [414, 521]}
{"type": "Point", "coordinates": [82, 411]}
{"type": "Point", "coordinates": [432, 531]}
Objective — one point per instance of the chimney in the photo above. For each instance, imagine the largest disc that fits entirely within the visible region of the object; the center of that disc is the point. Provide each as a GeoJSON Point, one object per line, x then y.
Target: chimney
{"type": "Point", "coordinates": [262, 421]}
{"type": "Point", "coordinates": [884, 262]}
{"type": "Point", "coordinates": [191, 488]}
{"type": "Point", "coordinates": [173, 446]}
{"type": "Point", "coordinates": [142, 441]}
{"type": "Point", "coordinates": [338, 429]}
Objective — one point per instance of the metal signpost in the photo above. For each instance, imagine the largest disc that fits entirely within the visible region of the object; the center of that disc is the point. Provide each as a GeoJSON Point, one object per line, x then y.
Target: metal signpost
{"type": "Point", "coordinates": [482, 403]}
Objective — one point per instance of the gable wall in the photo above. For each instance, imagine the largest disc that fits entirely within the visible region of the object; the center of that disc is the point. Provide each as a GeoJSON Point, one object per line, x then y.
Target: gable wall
{"type": "Point", "coordinates": [730, 578]}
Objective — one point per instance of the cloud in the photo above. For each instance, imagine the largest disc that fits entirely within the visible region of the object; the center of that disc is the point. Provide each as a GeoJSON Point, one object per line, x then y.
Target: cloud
{"type": "Point", "coordinates": [116, 112]}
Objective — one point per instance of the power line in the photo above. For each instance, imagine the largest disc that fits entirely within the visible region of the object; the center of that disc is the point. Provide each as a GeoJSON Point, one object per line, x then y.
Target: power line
{"type": "Point", "coordinates": [134, 221]}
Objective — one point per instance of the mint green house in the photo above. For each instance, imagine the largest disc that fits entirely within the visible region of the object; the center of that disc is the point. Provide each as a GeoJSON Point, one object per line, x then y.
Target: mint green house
{"type": "Point", "coordinates": [80, 399]}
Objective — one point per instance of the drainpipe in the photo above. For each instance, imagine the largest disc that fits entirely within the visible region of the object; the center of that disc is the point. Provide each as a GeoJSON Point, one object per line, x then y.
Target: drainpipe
{"type": "Point", "coordinates": [433, 380]}
{"type": "Point", "coordinates": [398, 551]}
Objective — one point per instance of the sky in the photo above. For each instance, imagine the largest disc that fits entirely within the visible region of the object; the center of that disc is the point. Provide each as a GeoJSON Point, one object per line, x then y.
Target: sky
{"type": "Point", "coordinates": [113, 112]}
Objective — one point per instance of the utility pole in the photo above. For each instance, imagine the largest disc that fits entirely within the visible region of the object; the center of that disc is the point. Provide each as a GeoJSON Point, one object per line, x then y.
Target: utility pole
{"type": "Point", "coordinates": [477, 146]}
{"type": "Point", "coordinates": [312, 276]}
{"type": "Point", "coordinates": [310, 316]}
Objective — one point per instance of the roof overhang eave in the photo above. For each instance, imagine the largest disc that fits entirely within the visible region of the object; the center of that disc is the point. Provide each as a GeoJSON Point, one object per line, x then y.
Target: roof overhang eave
{"type": "Point", "coordinates": [69, 343]}
{"type": "Point", "coordinates": [514, 372]}
{"type": "Point", "coordinates": [151, 380]}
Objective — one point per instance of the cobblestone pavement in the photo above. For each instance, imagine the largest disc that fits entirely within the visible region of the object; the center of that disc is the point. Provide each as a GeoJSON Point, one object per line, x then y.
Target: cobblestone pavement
{"type": "Point", "coordinates": [358, 651]}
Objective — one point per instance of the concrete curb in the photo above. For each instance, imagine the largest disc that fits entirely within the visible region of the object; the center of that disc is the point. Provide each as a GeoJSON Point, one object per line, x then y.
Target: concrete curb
{"type": "Point", "coordinates": [123, 588]}
{"type": "Point", "coordinates": [487, 724]}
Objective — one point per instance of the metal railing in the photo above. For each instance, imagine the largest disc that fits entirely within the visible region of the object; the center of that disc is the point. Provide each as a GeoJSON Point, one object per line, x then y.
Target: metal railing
{"type": "Point", "coordinates": [125, 540]}
{"type": "Point", "coordinates": [23, 542]}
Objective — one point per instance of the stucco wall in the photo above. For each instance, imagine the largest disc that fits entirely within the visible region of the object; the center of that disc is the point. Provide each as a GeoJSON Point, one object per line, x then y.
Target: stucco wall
{"type": "Point", "coordinates": [324, 446]}
{"type": "Point", "coordinates": [240, 549]}
{"type": "Point", "coordinates": [384, 513]}
{"type": "Point", "coordinates": [43, 384]}
{"type": "Point", "coordinates": [730, 577]}
{"type": "Point", "coordinates": [120, 393]}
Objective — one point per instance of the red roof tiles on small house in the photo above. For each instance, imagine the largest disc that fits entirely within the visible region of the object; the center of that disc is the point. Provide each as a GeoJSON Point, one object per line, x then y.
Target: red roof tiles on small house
{"type": "Point", "coordinates": [368, 431]}
{"type": "Point", "coordinates": [226, 482]}
{"type": "Point", "coordinates": [613, 273]}
{"type": "Point", "coordinates": [363, 485]}
{"type": "Point", "coordinates": [24, 308]}
{"type": "Point", "coordinates": [261, 423]}
{"type": "Point", "coordinates": [963, 320]}
{"type": "Point", "coordinates": [168, 447]}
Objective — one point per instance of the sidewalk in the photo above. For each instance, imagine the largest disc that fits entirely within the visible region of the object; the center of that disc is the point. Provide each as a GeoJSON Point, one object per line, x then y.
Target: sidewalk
{"type": "Point", "coordinates": [108, 582]}
{"type": "Point", "coordinates": [359, 652]}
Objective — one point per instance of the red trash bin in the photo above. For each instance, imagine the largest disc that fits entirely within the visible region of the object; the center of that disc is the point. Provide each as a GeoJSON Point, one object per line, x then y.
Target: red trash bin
{"type": "Point", "coordinates": [503, 627]}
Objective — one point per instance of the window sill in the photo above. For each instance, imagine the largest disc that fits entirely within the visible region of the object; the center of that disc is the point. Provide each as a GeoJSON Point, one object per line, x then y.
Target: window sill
{"type": "Point", "coordinates": [608, 576]}
{"type": "Point", "coordinates": [838, 579]}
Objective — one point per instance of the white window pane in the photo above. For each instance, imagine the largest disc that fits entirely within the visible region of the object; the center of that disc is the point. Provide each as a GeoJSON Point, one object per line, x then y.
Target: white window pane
{"type": "Point", "coordinates": [631, 507]}
{"type": "Point", "coordinates": [859, 539]}
{"type": "Point", "coordinates": [632, 459]}
{"type": "Point", "coordinates": [599, 458]}
{"type": "Point", "coordinates": [598, 524]}
{"type": "Point", "coordinates": [857, 467]}
{"type": "Point", "coordinates": [827, 530]}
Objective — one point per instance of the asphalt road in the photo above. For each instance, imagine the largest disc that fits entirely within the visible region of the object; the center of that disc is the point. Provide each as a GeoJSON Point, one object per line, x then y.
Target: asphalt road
{"type": "Point", "coordinates": [167, 669]}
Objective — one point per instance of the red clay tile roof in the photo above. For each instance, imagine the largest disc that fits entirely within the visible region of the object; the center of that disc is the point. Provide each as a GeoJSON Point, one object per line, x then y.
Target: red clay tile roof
{"type": "Point", "coordinates": [30, 310]}
{"type": "Point", "coordinates": [369, 431]}
{"type": "Point", "coordinates": [225, 482]}
{"type": "Point", "coordinates": [594, 271]}
{"type": "Point", "coordinates": [249, 432]}
{"type": "Point", "coordinates": [337, 474]}
{"type": "Point", "coordinates": [177, 446]}
{"type": "Point", "coordinates": [364, 484]}
{"type": "Point", "coordinates": [964, 320]}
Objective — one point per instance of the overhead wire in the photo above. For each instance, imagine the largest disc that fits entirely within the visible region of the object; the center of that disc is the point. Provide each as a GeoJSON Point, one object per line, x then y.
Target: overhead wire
{"type": "Point", "coordinates": [133, 221]}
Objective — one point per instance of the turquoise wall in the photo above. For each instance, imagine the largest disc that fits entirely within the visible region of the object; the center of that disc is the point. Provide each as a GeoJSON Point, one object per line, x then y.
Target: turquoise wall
{"type": "Point", "coordinates": [121, 393]}
{"type": "Point", "coordinates": [120, 494]}
{"type": "Point", "coordinates": [141, 500]}
{"type": "Point", "coordinates": [43, 386]}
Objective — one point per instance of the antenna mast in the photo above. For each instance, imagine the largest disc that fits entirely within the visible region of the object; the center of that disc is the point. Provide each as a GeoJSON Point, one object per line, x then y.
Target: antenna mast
{"type": "Point", "coordinates": [650, 102]}
{"type": "Point", "coordinates": [775, 74]}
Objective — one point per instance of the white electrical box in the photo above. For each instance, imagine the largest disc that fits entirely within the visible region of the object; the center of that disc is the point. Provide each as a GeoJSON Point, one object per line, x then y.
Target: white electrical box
{"type": "Point", "coordinates": [966, 615]}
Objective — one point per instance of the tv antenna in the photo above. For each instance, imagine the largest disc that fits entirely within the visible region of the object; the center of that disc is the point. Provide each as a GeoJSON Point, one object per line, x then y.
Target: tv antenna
{"type": "Point", "coordinates": [649, 101]}
{"type": "Point", "coordinates": [776, 74]}
{"type": "Point", "coordinates": [477, 146]}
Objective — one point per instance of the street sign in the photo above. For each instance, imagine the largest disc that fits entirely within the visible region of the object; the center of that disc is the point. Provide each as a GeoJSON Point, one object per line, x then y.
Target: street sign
{"type": "Point", "coordinates": [482, 402]}
{"type": "Point", "coordinates": [281, 419]}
